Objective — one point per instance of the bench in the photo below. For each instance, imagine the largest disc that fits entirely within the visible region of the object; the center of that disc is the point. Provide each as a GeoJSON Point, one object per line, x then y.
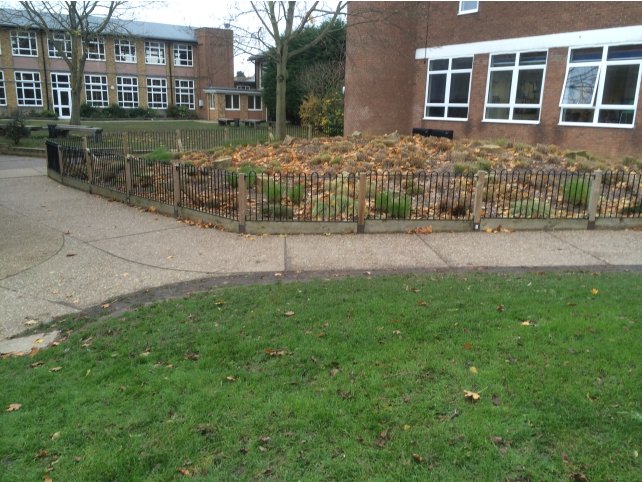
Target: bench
{"type": "Point", "coordinates": [228, 122]}
{"type": "Point", "coordinates": [61, 130]}
{"type": "Point", "coordinates": [433, 132]}
{"type": "Point", "coordinates": [252, 122]}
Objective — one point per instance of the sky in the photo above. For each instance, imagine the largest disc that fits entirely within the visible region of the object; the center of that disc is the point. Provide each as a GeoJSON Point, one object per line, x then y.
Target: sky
{"type": "Point", "coordinates": [197, 14]}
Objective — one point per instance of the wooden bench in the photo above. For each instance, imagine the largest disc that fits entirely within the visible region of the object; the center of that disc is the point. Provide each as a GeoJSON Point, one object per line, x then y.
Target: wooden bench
{"type": "Point", "coordinates": [61, 130]}
{"type": "Point", "coordinates": [252, 122]}
{"type": "Point", "coordinates": [228, 122]}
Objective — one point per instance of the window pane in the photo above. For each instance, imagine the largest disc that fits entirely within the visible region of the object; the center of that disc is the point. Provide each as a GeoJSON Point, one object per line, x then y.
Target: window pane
{"type": "Point", "coordinates": [468, 6]}
{"type": "Point", "coordinates": [625, 52]}
{"type": "Point", "coordinates": [463, 63]}
{"type": "Point", "coordinates": [500, 82]}
{"type": "Point", "coordinates": [529, 86]}
{"type": "Point", "coordinates": [497, 112]}
{"type": "Point", "coordinates": [580, 85]}
{"type": "Point", "coordinates": [586, 55]}
{"type": "Point", "coordinates": [526, 114]}
{"type": "Point", "coordinates": [459, 88]}
{"type": "Point", "coordinates": [532, 58]}
{"type": "Point", "coordinates": [615, 117]}
{"type": "Point", "coordinates": [436, 111]}
{"type": "Point", "coordinates": [620, 84]}
{"type": "Point", "coordinates": [458, 112]}
{"type": "Point", "coordinates": [437, 89]}
{"type": "Point", "coordinates": [578, 115]}
{"type": "Point", "coordinates": [439, 64]}
{"type": "Point", "coordinates": [505, 60]}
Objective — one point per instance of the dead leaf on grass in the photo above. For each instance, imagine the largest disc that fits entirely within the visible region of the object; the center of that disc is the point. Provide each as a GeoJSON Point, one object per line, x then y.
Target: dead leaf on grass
{"type": "Point", "coordinates": [594, 291]}
{"type": "Point", "coordinates": [471, 396]}
{"type": "Point", "coordinates": [289, 313]}
{"type": "Point", "coordinates": [185, 472]}
{"type": "Point", "coordinates": [473, 370]}
{"type": "Point", "coordinates": [383, 438]}
{"type": "Point", "coordinates": [334, 372]}
{"type": "Point", "coordinates": [417, 458]}
{"type": "Point", "coordinates": [13, 407]}
{"type": "Point", "coordinates": [192, 356]}
{"type": "Point", "coordinates": [496, 400]}
{"type": "Point", "coordinates": [55, 369]}
{"type": "Point", "coordinates": [273, 352]}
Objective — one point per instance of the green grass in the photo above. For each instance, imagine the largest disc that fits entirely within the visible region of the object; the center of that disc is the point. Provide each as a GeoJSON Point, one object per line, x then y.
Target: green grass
{"type": "Point", "coordinates": [361, 375]}
{"type": "Point", "coordinates": [576, 191]}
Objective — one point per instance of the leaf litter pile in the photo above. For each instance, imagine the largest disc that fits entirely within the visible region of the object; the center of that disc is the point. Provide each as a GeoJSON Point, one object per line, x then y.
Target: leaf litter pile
{"type": "Point", "coordinates": [411, 177]}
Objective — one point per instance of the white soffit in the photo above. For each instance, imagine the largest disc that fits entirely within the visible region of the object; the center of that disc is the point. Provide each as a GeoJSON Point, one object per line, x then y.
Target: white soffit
{"type": "Point", "coordinates": [584, 38]}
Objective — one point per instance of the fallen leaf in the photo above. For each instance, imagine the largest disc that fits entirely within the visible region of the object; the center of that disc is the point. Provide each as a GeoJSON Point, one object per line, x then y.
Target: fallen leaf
{"type": "Point", "coordinates": [468, 346]}
{"type": "Point", "coordinates": [39, 341]}
{"type": "Point", "coordinates": [220, 303]}
{"type": "Point", "coordinates": [69, 255]}
{"type": "Point", "coordinates": [471, 396]}
{"type": "Point", "coordinates": [192, 356]}
{"type": "Point", "coordinates": [170, 257]}
{"type": "Point", "coordinates": [36, 364]}
{"type": "Point", "coordinates": [278, 275]}
{"type": "Point", "coordinates": [31, 322]}
{"type": "Point", "coordinates": [48, 479]}
{"type": "Point", "coordinates": [406, 427]}
{"type": "Point", "coordinates": [42, 454]}
{"type": "Point", "coordinates": [473, 370]}
{"type": "Point", "coordinates": [105, 305]}
{"type": "Point", "coordinates": [55, 436]}
{"type": "Point", "coordinates": [501, 308]}
{"type": "Point", "coordinates": [527, 323]}
{"type": "Point", "coordinates": [383, 438]}
{"type": "Point", "coordinates": [272, 352]}
{"type": "Point", "coordinates": [496, 400]}
{"type": "Point", "coordinates": [13, 407]}
{"type": "Point", "coordinates": [145, 353]}
{"type": "Point", "coordinates": [422, 303]}
{"type": "Point", "coordinates": [264, 440]}
{"type": "Point", "coordinates": [230, 379]}
{"type": "Point", "coordinates": [417, 458]}
{"type": "Point", "coordinates": [55, 369]}
{"type": "Point", "coordinates": [578, 477]}
{"type": "Point", "coordinates": [396, 332]}
{"type": "Point", "coordinates": [594, 291]}
{"type": "Point", "coordinates": [334, 372]}
{"type": "Point", "coordinates": [184, 472]}
{"type": "Point", "coordinates": [289, 313]}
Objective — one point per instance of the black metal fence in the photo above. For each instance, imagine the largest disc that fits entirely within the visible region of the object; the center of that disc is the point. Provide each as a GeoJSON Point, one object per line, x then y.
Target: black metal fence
{"type": "Point", "coordinates": [350, 197]}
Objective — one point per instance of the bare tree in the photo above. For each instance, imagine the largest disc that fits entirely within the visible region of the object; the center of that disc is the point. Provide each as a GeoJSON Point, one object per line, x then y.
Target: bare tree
{"type": "Point", "coordinates": [70, 27]}
{"type": "Point", "coordinates": [281, 24]}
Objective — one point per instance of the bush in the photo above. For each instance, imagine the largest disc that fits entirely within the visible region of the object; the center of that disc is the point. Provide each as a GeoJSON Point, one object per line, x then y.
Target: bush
{"type": "Point", "coordinates": [576, 191]}
{"type": "Point", "coordinates": [272, 190]}
{"type": "Point", "coordinates": [296, 193]}
{"type": "Point", "coordinates": [530, 209]}
{"type": "Point", "coordinates": [114, 111]}
{"type": "Point", "coordinates": [381, 201]}
{"type": "Point", "coordinates": [160, 155]}
{"type": "Point", "coordinates": [400, 207]}
{"type": "Point", "coordinates": [44, 114]}
{"type": "Point", "coordinates": [16, 128]}
{"type": "Point", "coordinates": [180, 112]}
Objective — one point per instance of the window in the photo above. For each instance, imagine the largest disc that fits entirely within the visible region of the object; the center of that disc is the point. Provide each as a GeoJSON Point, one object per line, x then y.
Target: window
{"type": "Point", "coordinates": [156, 93]}
{"type": "Point", "coordinates": [3, 92]}
{"type": "Point", "coordinates": [253, 102]}
{"type": "Point", "coordinates": [601, 86]}
{"type": "Point", "coordinates": [125, 51]}
{"type": "Point", "coordinates": [515, 85]}
{"type": "Point", "coordinates": [212, 102]}
{"type": "Point", "coordinates": [96, 91]}
{"type": "Point", "coordinates": [468, 7]}
{"type": "Point", "coordinates": [127, 88]}
{"type": "Point", "coordinates": [184, 93]}
{"type": "Point", "coordinates": [96, 49]}
{"type": "Point", "coordinates": [183, 56]}
{"type": "Point", "coordinates": [28, 90]}
{"type": "Point", "coordinates": [233, 102]}
{"type": "Point", "coordinates": [62, 40]}
{"type": "Point", "coordinates": [24, 44]}
{"type": "Point", "coordinates": [448, 88]}
{"type": "Point", "coordinates": [155, 53]}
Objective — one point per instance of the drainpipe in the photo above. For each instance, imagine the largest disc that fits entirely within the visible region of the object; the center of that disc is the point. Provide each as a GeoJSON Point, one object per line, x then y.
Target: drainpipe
{"type": "Point", "coordinates": [44, 67]}
{"type": "Point", "coordinates": [170, 62]}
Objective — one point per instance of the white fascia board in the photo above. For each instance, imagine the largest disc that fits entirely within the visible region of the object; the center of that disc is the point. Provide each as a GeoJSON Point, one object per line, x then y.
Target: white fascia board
{"type": "Point", "coordinates": [584, 38]}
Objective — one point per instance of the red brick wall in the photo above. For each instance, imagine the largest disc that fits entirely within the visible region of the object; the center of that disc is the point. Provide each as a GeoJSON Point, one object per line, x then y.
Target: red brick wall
{"type": "Point", "coordinates": [379, 81]}
{"type": "Point", "coordinates": [215, 63]}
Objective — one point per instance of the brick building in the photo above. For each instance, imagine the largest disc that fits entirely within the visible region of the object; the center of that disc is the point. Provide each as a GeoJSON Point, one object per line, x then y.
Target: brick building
{"type": "Point", "coordinates": [565, 73]}
{"type": "Point", "coordinates": [153, 65]}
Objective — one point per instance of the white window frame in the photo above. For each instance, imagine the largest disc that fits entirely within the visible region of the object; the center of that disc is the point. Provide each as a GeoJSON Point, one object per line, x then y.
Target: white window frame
{"type": "Point", "coordinates": [446, 104]}
{"type": "Point", "coordinates": [466, 9]}
{"type": "Point", "coordinates": [127, 86]}
{"type": "Point", "coordinates": [251, 106]}
{"type": "Point", "coordinates": [179, 50]}
{"type": "Point", "coordinates": [212, 101]}
{"type": "Point", "coordinates": [24, 43]}
{"type": "Point", "coordinates": [155, 53]}
{"type": "Point", "coordinates": [97, 86]}
{"type": "Point", "coordinates": [156, 86]}
{"type": "Point", "coordinates": [231, 98]}
{"type": "Point", "coordinates": [3, 90]}
{"type": "Point", "coordinates": [597, 104]}
{"type": "Point", "coordinates": [63, 38]}
{"type": "Point", "coordinates": [125, 51]}
{"type": "Point", "coordinates": [184, 93]}
{"type": "Point", "coordinates": [96, 50]}
{"type": "Point", "coordinates": [23, 85]}
{"type": "Point", "coordinates": [512, 104]}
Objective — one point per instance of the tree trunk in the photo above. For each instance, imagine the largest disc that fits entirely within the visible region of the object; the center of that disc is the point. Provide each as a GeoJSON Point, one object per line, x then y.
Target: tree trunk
{"type": "Point", "coordinates": [76, 77]}
{"type": "Point", "coordinates": [281, 83]}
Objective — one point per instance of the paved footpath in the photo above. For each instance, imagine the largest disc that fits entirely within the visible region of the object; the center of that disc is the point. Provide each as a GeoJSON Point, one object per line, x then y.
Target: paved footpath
{"type": "Point", "coordinates": [64, 251]}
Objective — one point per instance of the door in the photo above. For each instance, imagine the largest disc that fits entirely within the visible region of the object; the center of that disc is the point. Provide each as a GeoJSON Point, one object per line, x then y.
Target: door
{"type": "Point", "coordinates": [61, 92]}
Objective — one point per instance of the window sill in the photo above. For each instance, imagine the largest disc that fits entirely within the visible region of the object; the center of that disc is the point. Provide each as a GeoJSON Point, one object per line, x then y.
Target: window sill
{"type": "Point", "coordinates": [26, 55]}
{"type": "Point", "coordinates": [592, 124]}
{"type": "Point", "coordinates": [502, 121]}
{"type": "Point", "coordinates": [447, 119]}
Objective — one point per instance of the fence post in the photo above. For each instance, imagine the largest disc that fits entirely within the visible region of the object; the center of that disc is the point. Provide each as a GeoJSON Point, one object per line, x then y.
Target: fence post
{"type": "Point", "coordinates": [309, 131]}
{"type": "Point", "coordinates": [176, 174]}
{"type": "Point", "coordinates": [242, 201]}
{"type": "Point", "coordinates": [361, 196]}
{"type": "Point", "coordinates": [270, 133]}
{"type": "Point", "coordinates": [128, 178]}
{"type": "Point", "coordinates": [125, 144]}
{"type": "Point", "coordinates": [89, 164]}
{"type": "Point", "coordinates": [480, 186]}
{"type": "Point", "coordinates": [179, 140]}
{"type": "Point", "coordinates": [61, 161]}
{"type": "Point", "coordinates": [226, 134]}
{"type": "Point", "coordinates": [594, 196]}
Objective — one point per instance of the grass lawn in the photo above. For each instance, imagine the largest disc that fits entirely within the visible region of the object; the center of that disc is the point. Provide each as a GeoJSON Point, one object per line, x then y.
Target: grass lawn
{"type": "Point", "coordinates": [355, 379]}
